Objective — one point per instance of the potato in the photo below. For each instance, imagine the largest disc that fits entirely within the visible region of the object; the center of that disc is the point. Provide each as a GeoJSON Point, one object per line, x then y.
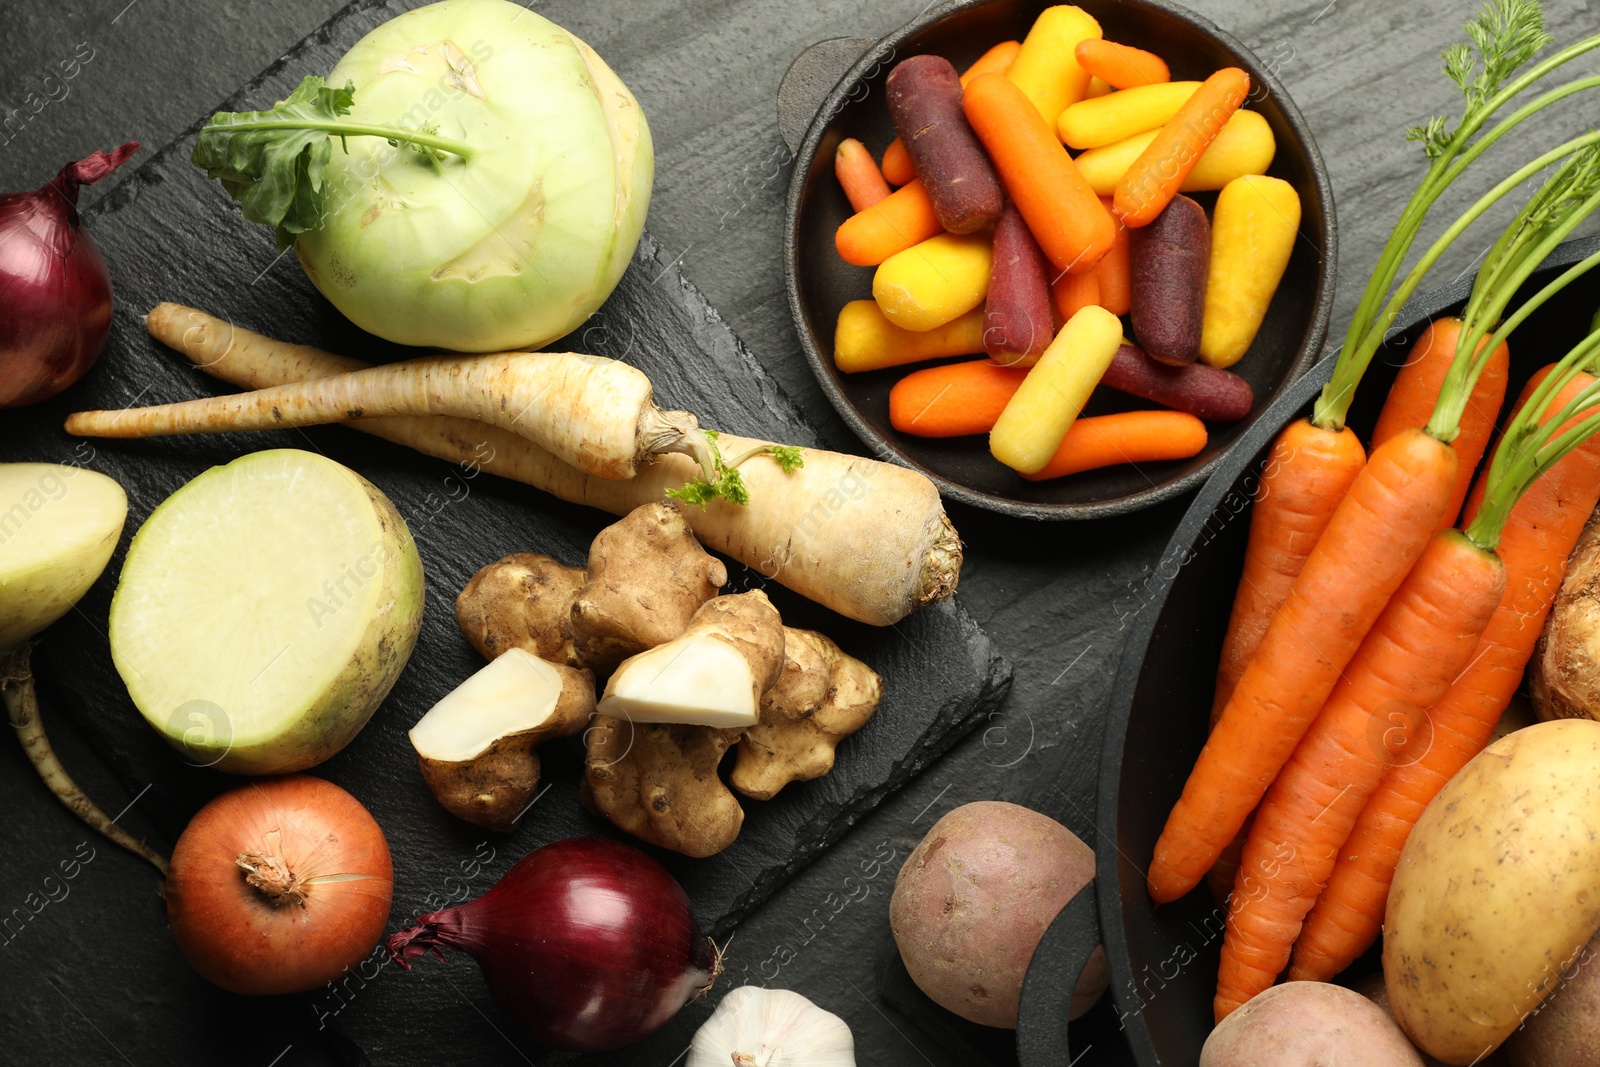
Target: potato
{"type": "Point", "coordinates": [1564, 675]}
{"type": "Point", "coordinates": [1373, 988]}
{"type": "Point", "coordinates": [975, 897]}
{"type": "Point", "coordinates": [1169, 261]}
{"type": "Point", "coordinates": [1566, 1030]}
{"type": "Point", "coordinates": [1308, 1024]}
{"type": "Point", "coordinates": [1497, 890]}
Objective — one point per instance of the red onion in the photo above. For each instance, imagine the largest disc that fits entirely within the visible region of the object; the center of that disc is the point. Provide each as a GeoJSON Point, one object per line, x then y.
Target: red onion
{"type": "Point", "coordinates": [587, 944]}
{"type": "Point", "coordinates": [55, 290]}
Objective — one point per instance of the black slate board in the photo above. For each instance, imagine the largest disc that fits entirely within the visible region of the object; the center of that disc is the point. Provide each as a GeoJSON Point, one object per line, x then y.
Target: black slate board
{"type": "Point", "coordinates": [170, 235]}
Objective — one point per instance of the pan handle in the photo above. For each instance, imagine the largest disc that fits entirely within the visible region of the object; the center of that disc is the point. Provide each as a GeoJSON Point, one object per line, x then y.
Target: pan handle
{"type": "Point", "coordinates": [1053, 974]}
{"type": "Point", "coordinates": [809, 80]}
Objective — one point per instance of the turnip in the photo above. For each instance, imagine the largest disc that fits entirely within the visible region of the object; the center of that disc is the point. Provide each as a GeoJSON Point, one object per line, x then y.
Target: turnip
{"type": "Point", "coordinates": [58, 528]}
{"type": "Point", "coordinates": [868, 539]}
{"type": "Point", "coordinates": [264, 611]}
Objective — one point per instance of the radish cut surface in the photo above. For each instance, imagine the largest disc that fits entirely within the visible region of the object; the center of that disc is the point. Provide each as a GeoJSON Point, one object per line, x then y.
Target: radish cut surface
{"type": "Point", "coordinates": [265, 610]}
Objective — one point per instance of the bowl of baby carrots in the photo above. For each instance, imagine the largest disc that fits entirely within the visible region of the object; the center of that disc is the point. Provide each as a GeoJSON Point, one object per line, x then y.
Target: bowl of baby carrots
{"type": "Point", "coordinates": [1058, 258]}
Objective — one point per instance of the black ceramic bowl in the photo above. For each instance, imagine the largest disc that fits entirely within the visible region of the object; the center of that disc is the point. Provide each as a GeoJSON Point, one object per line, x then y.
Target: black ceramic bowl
{"type": "Point", "coordinates": [1164, 963]}
{"type": "Point", "coordinates": [820, 283]}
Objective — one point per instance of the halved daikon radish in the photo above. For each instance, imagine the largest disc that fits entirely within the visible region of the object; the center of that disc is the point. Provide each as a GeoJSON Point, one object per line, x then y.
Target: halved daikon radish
{"type": "Point", "coordinates": [264, 611]}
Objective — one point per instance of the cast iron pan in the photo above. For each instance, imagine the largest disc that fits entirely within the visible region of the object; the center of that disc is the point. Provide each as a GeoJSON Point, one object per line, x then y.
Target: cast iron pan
{"type": "Point", "coordinates": [1164, 963]}
{"type": "Point", "coordinates": [835, 90]}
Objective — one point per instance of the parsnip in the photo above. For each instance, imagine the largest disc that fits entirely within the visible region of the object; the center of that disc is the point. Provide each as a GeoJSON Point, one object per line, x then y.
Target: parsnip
{"type": "Point", "coordinates": [868, 539]}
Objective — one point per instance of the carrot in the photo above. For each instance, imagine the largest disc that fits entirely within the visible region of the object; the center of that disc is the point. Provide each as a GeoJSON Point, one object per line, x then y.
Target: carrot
{"type": "Point", "coordinates": [1541, 532]}
{"type": "Point", "coordinates": [1066, 217]}
{"type": "Point", "coordinates": [1422, 639]}
{"type": "Point", "coordinates": [1037, 417]}
{"type": "Point", "coordinates": [997, 60]}
{"type": "Point", "coordinates": [954, 400]}
{"type": "Point", "coordinates": [1375, 534]}
{"type": "Point", "coordinates": [1153, 179]}
{"type": "Point", "coordinates": [1416, 389]}
{"type": "Point", "coordinates": [903, 218]}
{"type": "Point", "coordinates": [1113, 271]}
{"type": "Point", "coordinates": [859, 176]}
{"type": "Point", "coordinates": [1307, 473]}
{"type": "Point", "coordinates": [1074, 292]}
{"type": "Point", "coordinates": [840, 531]}
{"type": "Point", "coordinates": [1046, 69]}
{"type": "Point", "coordinates": [1125, 437]}
{"type": "Point", "coordinates": [1119, 65]}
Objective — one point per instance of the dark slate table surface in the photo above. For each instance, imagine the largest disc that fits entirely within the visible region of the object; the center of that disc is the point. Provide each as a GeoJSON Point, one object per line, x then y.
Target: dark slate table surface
{"type": "Point", "coordinates": [1053, 597]}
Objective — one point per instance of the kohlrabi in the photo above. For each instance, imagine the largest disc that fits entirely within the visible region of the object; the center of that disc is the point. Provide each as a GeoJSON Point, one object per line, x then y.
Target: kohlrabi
{"type": "Point", "coordinates": [470, 177]}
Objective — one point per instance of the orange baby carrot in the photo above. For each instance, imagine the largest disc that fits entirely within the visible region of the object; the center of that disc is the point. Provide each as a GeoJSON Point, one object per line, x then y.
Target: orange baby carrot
{"type": "Point", "coordinates": [1116, 284]}
{"type": "Point", "coordinates": [897, 166]}
{"type": "Point", "coordinates": [1074, 292]}
{"type": "Point", "coordinates": [1374, 536]}
{"type": "Point", "coordinates": [903, 218]}
{"type": "Point", "coordinates": [954, 400]}
{"type": "Point", "coordinates": [1539, 535]}
{"type": "Point", "coordinates": [1416, 390]}
{"type": "Point", "coordinates": [1153, 179]}
{"type": "Point", "coordinates": [859, 176]}
{"type": "Point", "coordinates": [1120, 65]}
{"type": "Point", "coordinates": [1061, 210]}
{"type": "Point", "coordinates": [1423, 638]}
{"type": "Point", "coordinates": [1125, 437]}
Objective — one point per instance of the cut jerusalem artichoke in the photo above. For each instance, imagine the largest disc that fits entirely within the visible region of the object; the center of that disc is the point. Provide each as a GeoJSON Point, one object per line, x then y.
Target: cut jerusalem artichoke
{"type": "Point", "coordinates": [476, 746]}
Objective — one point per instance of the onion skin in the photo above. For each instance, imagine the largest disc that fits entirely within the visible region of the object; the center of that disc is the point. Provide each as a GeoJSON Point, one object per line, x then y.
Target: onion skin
{"type": "Point", "coordinates": [233, 934]}
{"type": "Point", "coordinates": [586, 944]}
{"type": "Point", "coordinates": [55, 288]}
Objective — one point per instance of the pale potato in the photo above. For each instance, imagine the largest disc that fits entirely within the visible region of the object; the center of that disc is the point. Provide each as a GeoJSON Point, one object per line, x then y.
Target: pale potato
{"type": "Point", "coordinates": [975, 897]}
{"type": "Point", "coordinates": [1308, 1024]}
{"type": "Point", "coordinates": [1497, 890]}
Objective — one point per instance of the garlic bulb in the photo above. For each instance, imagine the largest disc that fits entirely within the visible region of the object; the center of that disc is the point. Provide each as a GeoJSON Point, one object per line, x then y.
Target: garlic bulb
{"type": "Point", "coordinates": [758, 1027]}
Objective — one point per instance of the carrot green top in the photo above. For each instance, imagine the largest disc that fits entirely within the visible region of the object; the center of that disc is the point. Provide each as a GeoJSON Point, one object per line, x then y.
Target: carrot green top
{"type": "Point", "coordinates": [1505, 35]}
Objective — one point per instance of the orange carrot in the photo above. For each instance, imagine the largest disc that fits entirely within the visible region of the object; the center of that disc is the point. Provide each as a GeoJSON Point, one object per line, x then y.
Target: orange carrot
{"type": "Point", "coordinates": [1074, 292]}
{"type": "Point", "coordinates": [954, 400]}
{"type": "Point", "coordinates": [1306, 475]}
{"type": "Point", "coordinates": [1125, 437]}
{"type": "Point", "coordinates": [1120, 65]}
{"type": "Point", "coordinates": [1222, 874]}
{"type": "Point", "coordinates": [1116, 284]}
{"type": "Point", "coordinates": [1416, 390]}
{"type": "Point", "coordinates": [997, 60]}
{"type": "Point", "coordinates": [1539, 535]}
{"type": "Point", "coordinates": [1424, 637]}
{"type": "Point", "coordinates": [859, 176]}
{"type": "Point", "coordinates": [1153, 179]}
{"type": "Point", "coordinates": [1066, 217]}
{"type": "Point", "coordinates": [903, 218]}
{"type": "Point", "coordinates": [1375, 535]}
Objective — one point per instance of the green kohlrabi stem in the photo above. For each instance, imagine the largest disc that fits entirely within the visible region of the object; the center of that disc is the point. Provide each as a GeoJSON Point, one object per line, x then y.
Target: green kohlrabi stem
{"type": "Point", "coordinates": [1537, 439]}
{"type": "Point", "coordinates": [341, 128]}
{"type": "Point", "coordinates": [1334, 402]}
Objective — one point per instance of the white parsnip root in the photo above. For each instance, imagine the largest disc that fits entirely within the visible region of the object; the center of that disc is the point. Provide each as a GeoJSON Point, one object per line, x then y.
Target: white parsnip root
{"type": "Point", "coordinates": [868, 539]}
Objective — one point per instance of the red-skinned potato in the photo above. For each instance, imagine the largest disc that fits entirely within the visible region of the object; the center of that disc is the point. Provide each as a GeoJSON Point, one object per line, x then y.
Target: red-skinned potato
{"type": "Point", "coordinates": [975, 897]}
{"type": "Point", "coordinates": [1309, 1024]}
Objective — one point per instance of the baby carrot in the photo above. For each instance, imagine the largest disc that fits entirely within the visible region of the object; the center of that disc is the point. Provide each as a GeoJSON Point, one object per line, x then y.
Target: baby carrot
{"type": "Point", "coordinates": [1109, 119]}
{"type": "Point", "coordinates": [954, 400]}
{"type": "Point", "coordinates": [1074, 292]}
{"type": "Point", "coordinates": [1098, 87]}
{"type": "Point", "coordinates": [859, 176]}
{"type": "Point", "coordinates": [1113, 272]}
{"type": "Point", "coordinates": [1066, 217]}
{"type": "Point", "coordinates": [1253, 231]}
{"type": "Point", "coordinates": [1126, 437]}
{"type": "Point", "coordinates": [903, 218]}
{"type": "Point", "coordinates": [1120, 65]}
{"type": "Point", "coordinates": [1033, 424]}
{"type": "Point", "coordinates": [865, 339]}
{"type": "Point", "coordinates": [1155, 176]}
{"type": "Point", "coordinates": [1046, 69]}
{"type": "Point", "coordinates": [1244, 145]}
{"type": "Point", "coordinates": [997, 60]}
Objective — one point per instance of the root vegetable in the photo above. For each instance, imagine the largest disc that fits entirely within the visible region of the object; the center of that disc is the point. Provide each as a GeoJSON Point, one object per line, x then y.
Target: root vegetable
{"type": "Point", "coordinates": [924, 96]}
{"type": "Point", "coordinates": [1564, 675]}
{"type": "Point", "coordinates": [1046, 67]}
{"type": "Point", "coordinates": [264, 611]}
{"type": "Point", "coordinates": [868, 539]}
{"type": "Point", "coordinates": [594, 413]}
{"type": "Point", "coordinates": [1117, 116]}
{"type": "Point", "coordinates": [865, 339]}
{"type": "Point", "coordinates": [1038, 416]}
{"type": "Point", "coordinates": [659, 782]}
{"type": "Point", "coordinates": [476, 746]}
{"type": "Point", "coordinates": [895, 223]}
{"type": "Point", "coordinates": [934, 282]}
{"type": "Point", "coordinates": [712, 674]}
{"type": "Point", "coordinates": [58, 528]}
{"type": "Point", "coordinates": [279, 886]}
{"type": "Point", "coordinates": [1199, 389]}
{"type": "Point", "coordinates": [1017, 324]}
{"type": "Point", "coordinates": [648, 576]}
{"type": "Point", "coordinates": [1256, 224]}
{"type": "Point", "coordinates": [1244, 145]}
{"type": "Point", "coordinates": [1169, 261]}
{"type": "Point", "coordinates": [522, 601]}
{"type": "Point", "coordinates": [821, 697]}
{"type": "Point", "coordinates": [1300, 1024]}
